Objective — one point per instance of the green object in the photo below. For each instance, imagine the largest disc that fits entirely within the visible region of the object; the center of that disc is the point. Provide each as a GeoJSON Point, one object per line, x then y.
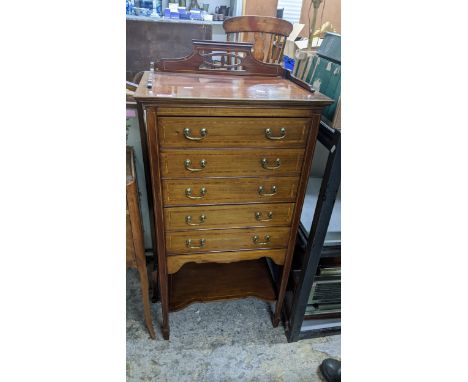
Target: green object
{"type": "Point", "coordinates": [323, 71]}
{"type": "Point", "coordinates": [331, 47]}
{"type": "Point", "coordinates": [326, 78]}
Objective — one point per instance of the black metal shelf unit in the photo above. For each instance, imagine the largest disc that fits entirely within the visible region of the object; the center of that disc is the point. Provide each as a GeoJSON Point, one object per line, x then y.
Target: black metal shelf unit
{"type": "Point", "coordinates": [312, 243]}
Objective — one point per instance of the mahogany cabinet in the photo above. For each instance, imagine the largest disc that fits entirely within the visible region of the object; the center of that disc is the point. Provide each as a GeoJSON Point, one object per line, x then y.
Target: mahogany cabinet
{"type": "Point", "coordinates": [228, 155]}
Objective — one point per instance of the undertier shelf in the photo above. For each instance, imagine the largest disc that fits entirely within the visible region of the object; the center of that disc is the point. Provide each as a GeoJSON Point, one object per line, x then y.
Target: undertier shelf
{"type": "Point", "coordinates": [213, 281]}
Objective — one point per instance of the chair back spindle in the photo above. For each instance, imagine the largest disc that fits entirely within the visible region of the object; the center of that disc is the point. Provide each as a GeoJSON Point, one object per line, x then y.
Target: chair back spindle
{"type": "Point", "coordinates": [268, 34]}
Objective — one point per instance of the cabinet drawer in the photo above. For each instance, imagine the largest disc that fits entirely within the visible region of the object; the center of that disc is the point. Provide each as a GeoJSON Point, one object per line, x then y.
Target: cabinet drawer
{"type": "Point", "coordinates": [231, 216]}
{"type": "Point", "coordinates": [229, 190]}
{"type": "Point", "coordinates": [231, 162]}
{"type": "Point", "coordinates": [232, 132]}
{"type": "Point", "coordinates": [226, 240]}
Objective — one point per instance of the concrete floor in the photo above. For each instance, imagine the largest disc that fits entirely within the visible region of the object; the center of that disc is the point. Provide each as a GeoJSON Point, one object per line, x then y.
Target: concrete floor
{"type": "Point", "coordinates": [219, 341]}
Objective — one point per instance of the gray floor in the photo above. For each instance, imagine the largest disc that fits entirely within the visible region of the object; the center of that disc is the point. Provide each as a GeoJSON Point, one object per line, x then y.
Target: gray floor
{"type": "Point", "coordinates": [219, 341]}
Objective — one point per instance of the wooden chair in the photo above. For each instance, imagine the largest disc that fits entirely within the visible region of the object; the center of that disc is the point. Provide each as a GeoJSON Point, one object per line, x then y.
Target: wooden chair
{"type": "Point", "coordinates": [267, 33]}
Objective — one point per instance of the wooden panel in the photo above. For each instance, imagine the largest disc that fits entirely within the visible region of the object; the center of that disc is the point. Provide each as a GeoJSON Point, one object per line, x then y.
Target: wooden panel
{"type": "Point", "coordinates": [216, 111]}
{"type": "Point", "coordinates": [232, 132]}
{"type": "Point", "coordinates": [260, 8]}
{"type": "Point", "coordinates": [257, 24]}
{"type": "Point", "coordinates": [233, 58]}
{"type": "Point", "coordinates": [228, 190]}
{"type": "Point", "coordinates": [135, 247]}
{"type": "Point", "coordinates": [231, 162]}
{"type": "Point", "coordinates": [226, 240]}
{"type": "Point", "coordinates": [175, 262]}
{"type": "Point", "coordinates": [130, 253]}
{"type": "Point", "coordinates": [229, 216]}
{"type": "Point", "coordinates": [157, 202]}
{"type": "Point", "coordinates": [208, 282]}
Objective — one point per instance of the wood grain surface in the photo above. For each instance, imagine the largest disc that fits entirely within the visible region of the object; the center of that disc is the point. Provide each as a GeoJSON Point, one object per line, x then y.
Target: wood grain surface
{"type": "Point", "coordinates": [230, 163]}
{"type": "Point", "coordinates": [229, 190]}
{"type": "Point", "coordinates": [215, 110]}
{"type": "Point", "coordinates": [175, 262]}
{"type": "Point", "coordinates": [226, 89]}
{"type": "Point", "coordinates": [226, 240]}
{"type": "Point", "coordinates": [228, 216]}
{"type": "Point", "coordinates": [136, 257]}
{"type": "Point", "coordinates": [130, 249]}
{"type": "Point", "coordinates": [257, 24]}
{"type": "Point", "coordinates": [213, 281]}
{"type": "Point", "coordinates": [232, 132]}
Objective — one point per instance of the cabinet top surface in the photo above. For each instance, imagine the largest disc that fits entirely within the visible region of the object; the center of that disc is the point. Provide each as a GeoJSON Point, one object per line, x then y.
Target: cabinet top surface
{"type": "Point", "coordinates": [192, 87]}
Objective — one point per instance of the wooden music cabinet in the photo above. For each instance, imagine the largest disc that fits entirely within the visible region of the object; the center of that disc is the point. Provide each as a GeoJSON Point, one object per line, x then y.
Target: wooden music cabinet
{"type": "Point", "coordinates": [229, 150]}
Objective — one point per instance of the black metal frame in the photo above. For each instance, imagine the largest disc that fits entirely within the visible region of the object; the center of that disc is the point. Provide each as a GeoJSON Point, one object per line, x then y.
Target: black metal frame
{"type": "Point", "coordinates": [331, 139]}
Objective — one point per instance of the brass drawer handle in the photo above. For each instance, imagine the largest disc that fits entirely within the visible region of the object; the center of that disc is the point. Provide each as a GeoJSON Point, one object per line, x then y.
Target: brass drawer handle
{"type": "Point", "coordinates": [188, 243]}
{"type": "Point", "coordinates": [188, 193]}
{"type": "Point", "coordinates": [258, 216]}
{"type": "Point", "coordinates": [188, 134]}
{"type": "Point", "coordinates": [262, 192]}
{"type": "Point", "coordinates": [268, 133]}
{"type": "Point", "coordinates": [188, 163]}
{"type": "Point", "coordinates": [188, 220]}
{"type": "Point", "coordinates": [266, 238]}
{"type": "Point", "coordinates": [264, 163]}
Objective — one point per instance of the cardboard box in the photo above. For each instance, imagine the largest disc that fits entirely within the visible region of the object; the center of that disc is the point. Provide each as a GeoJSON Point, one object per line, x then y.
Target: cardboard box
{"type": "Point", "coordinates": [292, 45]}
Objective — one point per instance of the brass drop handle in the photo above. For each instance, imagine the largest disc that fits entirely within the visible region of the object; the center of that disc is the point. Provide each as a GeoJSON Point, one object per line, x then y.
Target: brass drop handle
{"type": "Point", "coordinates": [258, 216]}
{"type": "Point", "coordinates": [188, 163]}
{"type": "Point", "coordinates": [268, 134]}
{"type": "Point", "coordinates": [264, 163]}
{"type": "Point", "coordinates": [262, 192]}
{"type": "Point", "coordinates": [188, 243]}
{"type": "Point", "coordinates": [188, 193]}
{"type": "Point", "coordinates": [188, 220]}
{"type": "Point", "coordinates": [188, 134]}
{"type": "Point", "coordinates": [266, 238]}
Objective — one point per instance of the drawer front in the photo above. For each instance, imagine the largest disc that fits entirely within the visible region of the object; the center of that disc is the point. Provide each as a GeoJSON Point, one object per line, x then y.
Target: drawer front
{"type": "Point", "coordinates": [232, 132]}
{"type": "Point", "coordinates": [226, 240]}
{"type": "Point", "coordinates": [229, 190]}
{"type": "Point", "coordinates": [209, 217]}
{"type": "Point", "coordinates": [231, 162]}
